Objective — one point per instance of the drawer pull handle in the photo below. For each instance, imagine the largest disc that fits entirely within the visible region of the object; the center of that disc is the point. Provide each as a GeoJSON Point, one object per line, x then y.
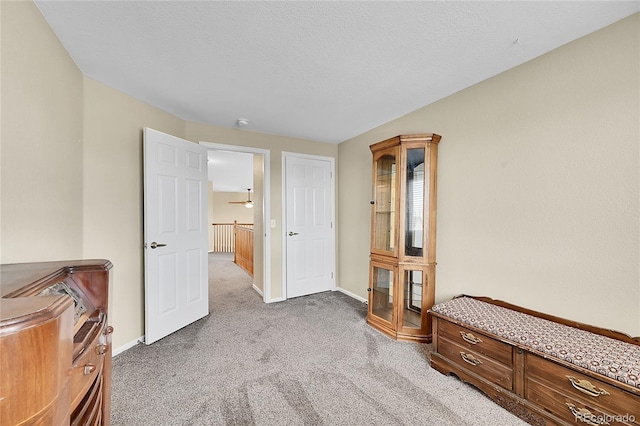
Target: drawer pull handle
{"type": "Point", "coordinates": [470, 359]}
{"type": "Point", "coordinates": [108, 331]}
{"type": "Point", "coordinates": [88, 369]}
{"type": "Point", "coordinates": [585, 386]}
{"type": "Point", "coordinates": [468, 337]}
{"type": "Point", "coordinates": [101, 349]}
{"type": "Point", "coordinates": [585, 416]}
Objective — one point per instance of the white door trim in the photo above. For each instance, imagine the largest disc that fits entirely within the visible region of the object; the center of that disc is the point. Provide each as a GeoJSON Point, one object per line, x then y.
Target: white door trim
{"type": "Point", "coordinates": [266, 297]}
{"type": "Point", "coordinates": [332, 161]}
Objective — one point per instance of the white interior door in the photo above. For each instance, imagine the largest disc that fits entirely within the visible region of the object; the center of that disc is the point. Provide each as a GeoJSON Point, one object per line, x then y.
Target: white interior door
{"type": "Point", "coordinates": [310, 247]}
{"type": "Point", "coordinates": [175, 234]}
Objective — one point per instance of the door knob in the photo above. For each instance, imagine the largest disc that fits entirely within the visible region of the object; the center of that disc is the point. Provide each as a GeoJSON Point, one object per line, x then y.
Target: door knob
{"type": "Point", "coordinates": [156, 245]}
{"type": "Point", "coordinates": [291, 234]}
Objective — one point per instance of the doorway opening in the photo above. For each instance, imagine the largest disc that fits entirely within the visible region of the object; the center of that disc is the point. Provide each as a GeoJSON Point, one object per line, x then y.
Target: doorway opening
{"type": "Point", "coordinates": [260, 207]}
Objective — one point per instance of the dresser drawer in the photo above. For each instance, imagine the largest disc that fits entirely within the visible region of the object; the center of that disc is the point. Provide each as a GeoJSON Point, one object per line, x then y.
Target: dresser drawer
{"type": "Point", "coordinates": [86, 368]}
{"type": "Point", "coordinates": [582, 387]}
{"type": "Point", "coordinates": [477, 363]}
{"type": "Point", "coordinates": [573, 410]}
{"type": "Point", "coordinates": [88, 412]}
{"type": "Point", "coordinates": [477, 342]}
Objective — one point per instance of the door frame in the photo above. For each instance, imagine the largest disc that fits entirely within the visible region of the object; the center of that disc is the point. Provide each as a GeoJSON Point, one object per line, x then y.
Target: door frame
{"type": "Point", "coordinates": [285, 240]}
{"type": "Point", "coordinates": [266, 158]}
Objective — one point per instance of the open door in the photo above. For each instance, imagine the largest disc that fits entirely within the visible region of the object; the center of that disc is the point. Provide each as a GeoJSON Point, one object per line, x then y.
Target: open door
{"type": "Point", "coordinates": [175, 234]}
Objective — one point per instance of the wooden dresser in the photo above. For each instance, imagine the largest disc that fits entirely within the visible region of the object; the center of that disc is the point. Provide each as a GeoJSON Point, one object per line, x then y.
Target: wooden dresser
{"type": "Point", "coordinates": [55, 344]}
{"type": "Point", "coordinates": [545, 369]}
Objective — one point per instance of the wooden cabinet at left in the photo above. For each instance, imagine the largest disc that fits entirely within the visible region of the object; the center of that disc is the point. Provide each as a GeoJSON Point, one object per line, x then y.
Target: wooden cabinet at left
{"type": "Point", "coordinates": [55, 343]}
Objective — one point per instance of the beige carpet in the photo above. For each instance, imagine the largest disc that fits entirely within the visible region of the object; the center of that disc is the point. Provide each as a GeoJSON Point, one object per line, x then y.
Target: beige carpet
{"type": "Point", "coordinates": [306, 361]}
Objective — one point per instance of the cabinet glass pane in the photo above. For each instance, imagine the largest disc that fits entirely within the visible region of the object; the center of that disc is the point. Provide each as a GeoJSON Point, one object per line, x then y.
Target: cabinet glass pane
{"type": "Point", "coordinates": [385, 202]}
{"type": "Point", "coordinates": [414, 202]}
{"type": "Point", "coordinates": [382, 297]}
{"type": "Point", "coordinates": [412, 315]}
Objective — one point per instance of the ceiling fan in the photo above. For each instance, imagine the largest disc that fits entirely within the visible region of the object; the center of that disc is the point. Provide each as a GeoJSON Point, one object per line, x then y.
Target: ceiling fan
{"type": "Point", "coordinates": [248, 203]}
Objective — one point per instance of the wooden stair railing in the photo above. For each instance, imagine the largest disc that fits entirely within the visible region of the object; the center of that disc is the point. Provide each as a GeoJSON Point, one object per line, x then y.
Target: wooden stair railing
{"type": "Point", "coordinates": [223, 237]}
{"type": "Point", "coordinates": [243, 247]}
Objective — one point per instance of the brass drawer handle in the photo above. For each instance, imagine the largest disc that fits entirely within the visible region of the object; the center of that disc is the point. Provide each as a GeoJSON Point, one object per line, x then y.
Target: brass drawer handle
{"type": "Point", "coordinates": [88, 369]}
{"type": "Point", "coordinates": [585, 386]}
{"type": "Point", "coordinates": [585, 416]}
{"type": "Point", "coordinates": [101, 349]}
{"type": "Point", "coordinates": [470, 359]}
{"type": "Point", "coordinates": [470, 338]}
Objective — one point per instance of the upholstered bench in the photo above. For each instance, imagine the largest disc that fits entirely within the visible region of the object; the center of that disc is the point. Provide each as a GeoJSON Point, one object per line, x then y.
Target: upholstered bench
{"type": "Point", "coordinates": [545, 369]}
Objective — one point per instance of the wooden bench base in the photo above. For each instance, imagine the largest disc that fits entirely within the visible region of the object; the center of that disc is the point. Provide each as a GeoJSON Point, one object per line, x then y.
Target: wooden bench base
{"type": "Point", "coordinates": [515, 371]}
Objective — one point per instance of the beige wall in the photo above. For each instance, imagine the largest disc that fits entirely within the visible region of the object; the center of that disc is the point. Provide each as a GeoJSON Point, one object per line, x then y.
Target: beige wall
{"type": "Point", "coordinates": [113, 186]}
{"type": "Point", "coordinates": [1, 96]}
{"type": "Point", "coordinates": [538, 179]}
{"type": "Point", "coordinates": [223, 212]}
{"type": "Point", "coordinates": [538, 184]}
{"type": "Point", "coordinates": [41, 141]}
{"type": "Point", "coordinates": [258, 227]}
{"type": "Point", "coordinates": [276, 144]}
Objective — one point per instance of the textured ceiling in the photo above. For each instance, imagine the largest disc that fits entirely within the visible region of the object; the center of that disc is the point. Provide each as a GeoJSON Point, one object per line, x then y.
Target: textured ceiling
{"type": "Point", "coordinates": [230, 171]}
{"type": "Point", "coordinates": [322, 71]}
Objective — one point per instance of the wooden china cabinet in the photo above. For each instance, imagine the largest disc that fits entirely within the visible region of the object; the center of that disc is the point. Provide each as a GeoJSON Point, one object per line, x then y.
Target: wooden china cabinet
{"type": "Point", "coordinates": [403, 236]}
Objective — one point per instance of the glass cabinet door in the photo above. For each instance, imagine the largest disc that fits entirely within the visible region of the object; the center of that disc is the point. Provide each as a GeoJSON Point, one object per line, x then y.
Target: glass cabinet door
{"type": "Point", "coordinates": [413, 284]}
{"type": "Point", "coordinates": [381, 297]}
{"type": "Point", "coordinates": [414, 202]}
{"type": "Point", "coordinates": [384, 214]}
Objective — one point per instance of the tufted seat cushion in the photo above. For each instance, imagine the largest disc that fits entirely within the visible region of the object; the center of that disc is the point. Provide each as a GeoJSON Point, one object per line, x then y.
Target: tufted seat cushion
{"type": "Point", "coordinates": [610, 357]}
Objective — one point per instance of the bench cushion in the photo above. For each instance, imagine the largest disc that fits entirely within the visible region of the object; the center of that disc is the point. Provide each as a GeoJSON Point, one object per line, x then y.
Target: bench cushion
{"type": "Point", "coordinates": [610, 357]}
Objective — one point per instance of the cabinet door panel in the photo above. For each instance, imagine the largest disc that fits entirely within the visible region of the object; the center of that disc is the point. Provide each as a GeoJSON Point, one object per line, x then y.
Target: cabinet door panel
{"type": "Point", "coordinates": [412, 284]}
{"type": "Point", "coordinates": [414, 202]}
{"type": "Point", "coordinates": [384, 220]}
{"type": "Point", "coordinates": [381, 297]}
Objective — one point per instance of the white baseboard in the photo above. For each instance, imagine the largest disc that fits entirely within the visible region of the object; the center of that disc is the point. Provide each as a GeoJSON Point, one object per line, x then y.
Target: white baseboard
{"type": "Point", "coordinates": [127, 346]}
{"type": "Point", "coordinates": [355, 296]}
{"type": "Point", "coordinates": [258, 290]}
{"type": "Point", "coordinates": [276, 299]}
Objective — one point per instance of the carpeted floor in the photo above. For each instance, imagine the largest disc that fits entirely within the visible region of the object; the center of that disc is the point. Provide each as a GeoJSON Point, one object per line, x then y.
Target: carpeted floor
{"type": "Point", "coordinates": [306, 361]}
